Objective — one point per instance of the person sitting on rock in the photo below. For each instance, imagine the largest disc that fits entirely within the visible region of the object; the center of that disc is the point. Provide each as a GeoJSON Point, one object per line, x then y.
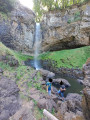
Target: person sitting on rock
{"type": "Point", "coordinates": [62, 90]}
{"type": "Point", "coordinates": [48, 84]}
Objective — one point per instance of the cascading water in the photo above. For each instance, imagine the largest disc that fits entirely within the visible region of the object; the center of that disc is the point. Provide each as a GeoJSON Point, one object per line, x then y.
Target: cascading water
{"type": "Point", "coordinates": [37, 46]}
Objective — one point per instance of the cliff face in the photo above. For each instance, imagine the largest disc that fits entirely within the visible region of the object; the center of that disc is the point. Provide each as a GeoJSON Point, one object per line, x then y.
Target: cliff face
{"type": "Point", "coordinates": [18, 31]}
{"type": "Point", "coordinates": [66, 29]}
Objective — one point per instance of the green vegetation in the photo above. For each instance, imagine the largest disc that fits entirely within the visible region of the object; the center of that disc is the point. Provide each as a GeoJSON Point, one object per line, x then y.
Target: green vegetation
{"type": "Point", "coordinates": [36, 83]}
{"type": "Point", "coordinates": [73, 58]}
{"type": "Point", "coordinates": [24, 97]}
{"type": "Point", "coordinates": [5, 66]}
{"type": "Point", "coordinates": [38, 113]}
{"type": "Point", "coordinates": [17, 55]}
{"type": "Point", "coordinates": [21, 57]}
{"type": "Point", "coordinates": [41, 6]}
{"type": "Point", "coordinates": [23, 75]}
{"type": "Point", "coordinates": [74, 18]}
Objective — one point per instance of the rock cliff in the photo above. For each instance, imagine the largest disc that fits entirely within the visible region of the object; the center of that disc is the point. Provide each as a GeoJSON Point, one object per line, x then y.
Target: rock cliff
{"type": "Point", "coordinates": [9, 97]}
{"type": "Point", "coordinates": [86, 98]}
{"type": "Point", "coordinates": [17, 30]}
{"type": "Point", "coordinates": [66, 29]}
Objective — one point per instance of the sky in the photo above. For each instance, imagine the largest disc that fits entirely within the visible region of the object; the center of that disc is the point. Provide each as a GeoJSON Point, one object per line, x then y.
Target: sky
{"type": "Point", "coordinates": [27, 3]}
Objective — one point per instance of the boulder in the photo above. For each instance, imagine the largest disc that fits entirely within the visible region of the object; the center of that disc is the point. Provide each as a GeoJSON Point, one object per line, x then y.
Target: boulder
{"type": "Point", "coordinates": [46, 74]}
{"type": "Point", "coordinates": [58, 80]}
{"type": "Point", "coordinates": [71, 107]}
{"type": "Point", "coordinates": [80, 81]}
{"type": "Point", "coordinates": [74, 102]}
{"type": "Point", "coordinates": [48, 104]}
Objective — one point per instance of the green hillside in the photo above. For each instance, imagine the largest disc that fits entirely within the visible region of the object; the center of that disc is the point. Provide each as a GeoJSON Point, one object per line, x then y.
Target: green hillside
{"type": "Point", "coordinates": [17, 55]}
{"type": "Point", "coordinates": [72, 58]}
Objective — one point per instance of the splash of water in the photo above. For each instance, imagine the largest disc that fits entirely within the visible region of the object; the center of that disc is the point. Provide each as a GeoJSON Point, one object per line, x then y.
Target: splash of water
{"type": "Point", "coordinates": [37, 46]}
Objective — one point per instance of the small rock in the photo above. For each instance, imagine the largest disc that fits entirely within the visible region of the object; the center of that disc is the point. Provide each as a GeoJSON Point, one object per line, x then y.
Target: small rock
{"type": "Point", "coordinates": [1, 71]}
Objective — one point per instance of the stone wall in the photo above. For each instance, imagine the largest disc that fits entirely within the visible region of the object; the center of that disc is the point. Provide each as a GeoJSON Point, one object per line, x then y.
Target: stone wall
{"type": "Point", "coordinates": [17, 32]}
{"type": "Point", "coordinates": [66, 29]}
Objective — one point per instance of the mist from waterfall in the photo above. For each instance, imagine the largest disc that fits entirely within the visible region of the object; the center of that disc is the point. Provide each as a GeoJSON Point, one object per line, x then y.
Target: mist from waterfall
{"type": "Point", "coordinates": [37, 46]}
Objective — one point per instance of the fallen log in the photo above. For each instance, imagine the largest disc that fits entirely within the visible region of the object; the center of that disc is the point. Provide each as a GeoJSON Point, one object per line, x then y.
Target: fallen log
{"type": "Point", "coordinates": [49, 115]}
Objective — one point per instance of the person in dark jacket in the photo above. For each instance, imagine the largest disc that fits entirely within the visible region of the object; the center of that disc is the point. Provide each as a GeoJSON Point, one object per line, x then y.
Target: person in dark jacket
{"type": "Point", "coordinates": [62, 90]}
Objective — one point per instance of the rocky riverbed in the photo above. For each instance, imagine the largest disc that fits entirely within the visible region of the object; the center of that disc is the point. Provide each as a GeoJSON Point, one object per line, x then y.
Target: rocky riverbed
{"type": "Point", "coordinates": [20, 101]}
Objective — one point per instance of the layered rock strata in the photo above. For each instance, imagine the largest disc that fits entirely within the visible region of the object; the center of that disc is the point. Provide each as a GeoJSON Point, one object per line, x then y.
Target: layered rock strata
{"type": "Point", "coordinates": [17, 31]}
{"type": "Point", "coordinates": [65, 29]}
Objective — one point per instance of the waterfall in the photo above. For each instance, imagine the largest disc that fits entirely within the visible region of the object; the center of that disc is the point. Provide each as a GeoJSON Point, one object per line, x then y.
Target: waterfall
{"type": "Point", "coordinates": [37, 46]}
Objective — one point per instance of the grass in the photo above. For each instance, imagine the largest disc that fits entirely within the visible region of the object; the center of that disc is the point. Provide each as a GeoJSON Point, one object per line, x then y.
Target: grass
{"type": "Point", "coordinates": [38, 113]}
{"type": "Point", "coordinates": [17, 55]}
{"type": "Point", "coordinates": [5, 66]}
{"type": "Point", "coordinates": [72, 58]}
{"type": "Point", "coordinates": [22, 73]}
{"type": "Point", "coordinates": [23, 77]}
{"type": "Point", "coordinates": [21, 57]}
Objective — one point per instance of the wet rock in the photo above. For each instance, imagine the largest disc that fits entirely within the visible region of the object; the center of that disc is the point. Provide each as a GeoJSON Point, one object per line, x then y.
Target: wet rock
{"type": "Point", "coordinates": [46, 74]}
{"type": "Point", "coordinates": [80, 81]}
{"type": "Point", "coordinates": [58, 80]}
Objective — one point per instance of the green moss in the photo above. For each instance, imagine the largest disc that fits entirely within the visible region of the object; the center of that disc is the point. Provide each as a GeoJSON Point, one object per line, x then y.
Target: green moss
{"type": "Point", "coordinates": [76, 16]}
{"type": "Point", "coordinates": [73, 58]}
{"type": "Point", "coordinates": [21, 57]}
{"type": "Point", "coordinates": [69, 21]}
